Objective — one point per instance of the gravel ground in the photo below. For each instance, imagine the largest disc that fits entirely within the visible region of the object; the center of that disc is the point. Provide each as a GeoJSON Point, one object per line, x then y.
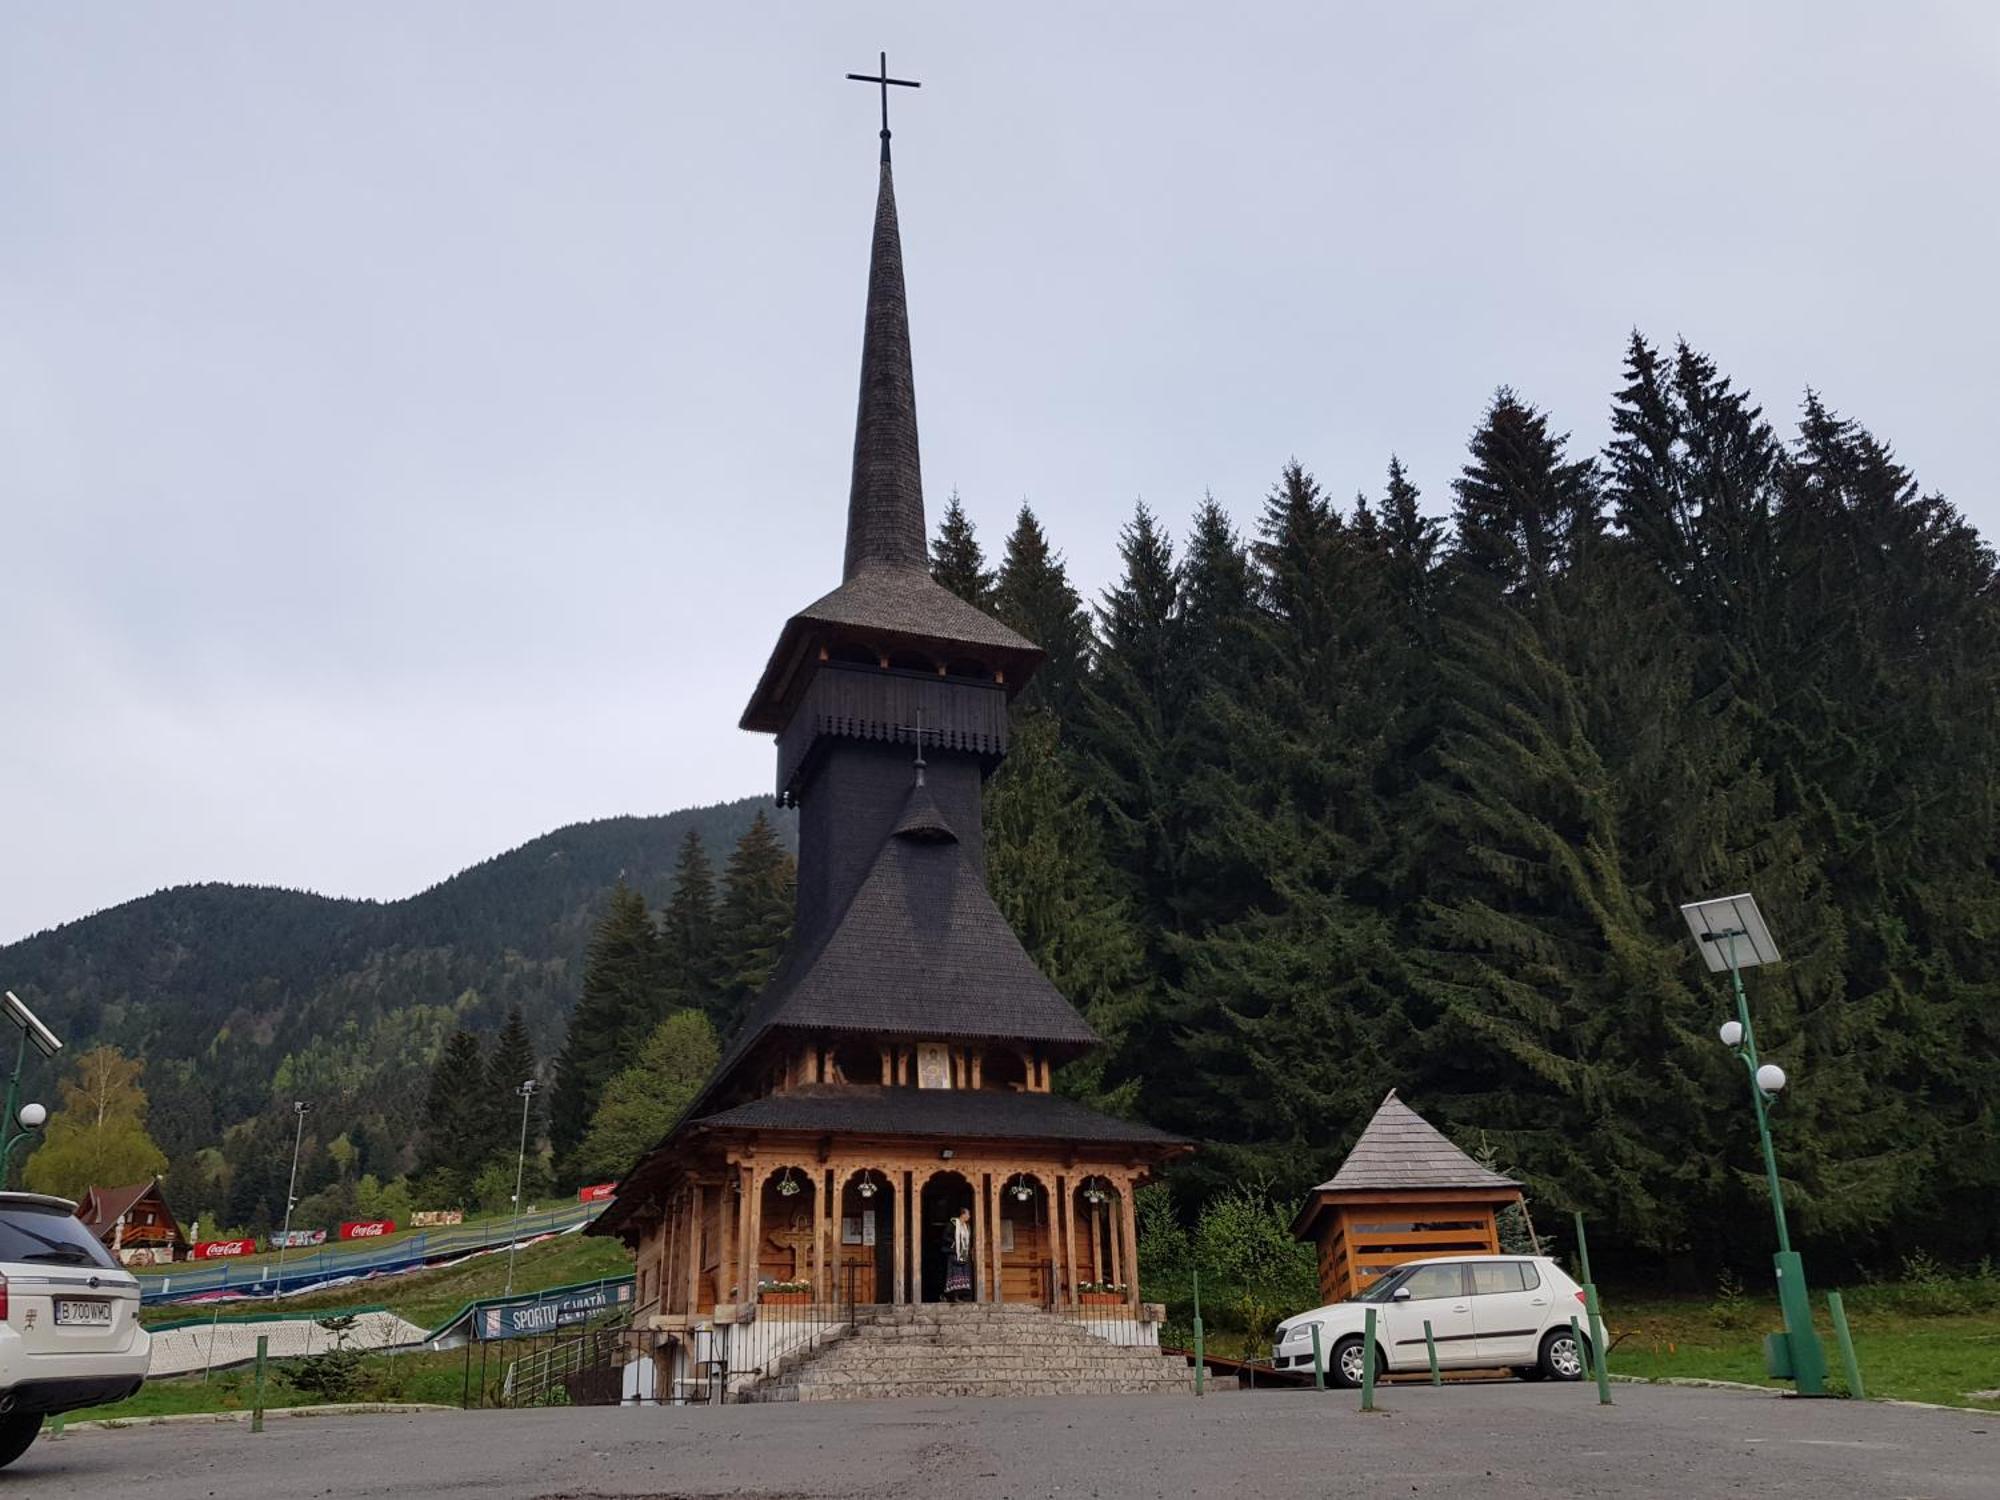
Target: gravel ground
{"type": "Point", "coordinates": [1489, 1440]}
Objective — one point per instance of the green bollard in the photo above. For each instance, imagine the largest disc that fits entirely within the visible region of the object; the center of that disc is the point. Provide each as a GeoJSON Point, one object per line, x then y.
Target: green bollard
{"type": "Point", "coordinates": [56, 1426]}
{"type": "Point", "coordinates": [1598, 1357]}
{"type": "Point", "coordinates": [1319, 1362]}
{"type": "Point", "coordinates": [1847, 1360]}
{"type": "Point", "coordinates": [1431, 1348]}
{"type": "Point", "coordinates": [1200, 1354]}
{"type": "Point", "coordinates": [257, 1398]}
{"type": "Point", "coordinates": [1582, 1348]}
{"type": "Point", "coordinates": [1368, 1361]}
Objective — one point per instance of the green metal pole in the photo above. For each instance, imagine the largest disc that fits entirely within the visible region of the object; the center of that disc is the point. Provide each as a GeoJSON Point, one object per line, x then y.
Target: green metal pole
{"type": "Point", "coordinates": [1807, 1357]}
{"type": "Point", "coordinates": [1757, 1099]}
{"type": "Point", "coordinates": [1582, 1249]}
{"type": "Point", "coordinates": [1582, 1349]}
{"type": "Point", "coordinates": [1319, 1362]}
{"type": "Point", "coordinates": [8, 1137]}
{"type": "Point", "coordinates": [1200, 1354]}
{"type": "Point", "coordinates": [257, 1399]}
{"type": "Point", "coordinates": [1598, 1356]}
{"type": "Point", "coordinates": [1431, 1348]}
{"type": "Point", "coordinates": [1847, 1360]}
{"type": "Point", "coordinates": [1368, 1361]}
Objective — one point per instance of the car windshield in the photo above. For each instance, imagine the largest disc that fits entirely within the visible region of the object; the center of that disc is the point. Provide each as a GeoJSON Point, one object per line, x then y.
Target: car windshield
{"type": "Point", "coordinates": [1384, 1289]}
{"type": "Point", "coordinates": [41, 1234]}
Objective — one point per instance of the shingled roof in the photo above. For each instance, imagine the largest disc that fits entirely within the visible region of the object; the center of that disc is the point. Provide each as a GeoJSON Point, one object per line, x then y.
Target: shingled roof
{"type": "Point", "coordinates": [921, 950]}
{"type": "Point", "coordinates": [949, 1114]}
{"type": "Point", "coordinates": [886, 590]}
{"type": "Point", "coordinates": [1400, 1150]}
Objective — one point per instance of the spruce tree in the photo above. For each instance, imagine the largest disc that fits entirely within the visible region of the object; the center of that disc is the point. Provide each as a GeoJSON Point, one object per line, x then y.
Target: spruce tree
{"type": "Point", "coordinates": [511, 1062]}
{"type": "Point", "coordinates": [458, 1121]}
{"type": "Point", "coordinates": [957, 560]}
{"type": "Point", "coordinates": [621, 983]}
{"type": "Point", "coordinates": [1051, 881]}
{"type": "Point", "coordinates": [753, 922]}
{"type": "Point", "coordinates": [688, 931]}
{"type": "Point", "coordinates": [1033, 594]}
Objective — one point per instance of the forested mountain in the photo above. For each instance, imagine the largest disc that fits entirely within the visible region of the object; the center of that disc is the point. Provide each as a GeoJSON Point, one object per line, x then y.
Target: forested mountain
{"type": "Point", "coordinates": [242, 998]}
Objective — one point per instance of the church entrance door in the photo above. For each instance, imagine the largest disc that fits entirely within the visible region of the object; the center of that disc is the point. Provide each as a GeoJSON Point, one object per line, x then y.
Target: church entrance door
{"type": "Point", "coordinates": [867, 1239]}
{"type": "Point", "coordinates": [943, 1197]}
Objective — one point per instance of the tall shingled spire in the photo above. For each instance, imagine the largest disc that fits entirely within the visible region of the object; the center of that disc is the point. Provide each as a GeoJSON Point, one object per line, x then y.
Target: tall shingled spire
{"type": "Point", "coordinates": [885, 506]}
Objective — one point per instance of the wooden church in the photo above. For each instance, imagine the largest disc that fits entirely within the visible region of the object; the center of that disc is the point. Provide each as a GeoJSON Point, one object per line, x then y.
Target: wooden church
{"type": "Point", "coordinates": [898, 1068]}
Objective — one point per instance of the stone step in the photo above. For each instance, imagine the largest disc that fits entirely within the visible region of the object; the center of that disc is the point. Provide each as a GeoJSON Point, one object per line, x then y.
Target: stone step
{"type": "Point", "coordinates": [978, 1349]}
{"type": "Point", "coordinates": [892, 1390]}
{"type": "Point", "coordinates": [895, 1336]}
{"type": "Point", "coordinates": [1004, 1365]}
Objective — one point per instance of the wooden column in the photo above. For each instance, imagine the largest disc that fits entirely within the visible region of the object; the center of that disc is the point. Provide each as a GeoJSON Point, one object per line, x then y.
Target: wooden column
{"type": "Point", "coordinates": [726, 1216]}
{"type": "Point", "coordinates": [990, 1186]}
{"type": "Point", "coordinates": [1065, 1261]}
{"type": "Point", "coordinates": [978, 1060]}
{"type": "Point", "coordinates": [753, 1248]}
{"type": "Point", "coordinates": [1129, 1225]}
{"type": "Point", "coordinates": [899, 1185]}
{"type": "Point", "coordinates": [694, 1248]}
{"type": "Point", "coordinates": [978, 1183]}
{"type": "Point", "coordinates": [820, 1288]}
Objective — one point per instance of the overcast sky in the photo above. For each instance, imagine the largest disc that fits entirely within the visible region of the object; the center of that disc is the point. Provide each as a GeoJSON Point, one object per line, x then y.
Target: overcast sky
{"type": "Point", "coordinates": [417, 420]}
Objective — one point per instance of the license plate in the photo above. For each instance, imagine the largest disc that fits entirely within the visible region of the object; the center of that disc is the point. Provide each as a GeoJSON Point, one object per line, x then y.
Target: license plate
{"type": "Point", "coordinates": [72, 1312]}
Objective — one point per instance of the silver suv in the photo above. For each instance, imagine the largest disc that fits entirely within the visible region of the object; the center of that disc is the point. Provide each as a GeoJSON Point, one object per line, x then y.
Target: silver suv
{"type": "Point", "coordinates": [69, 1320]}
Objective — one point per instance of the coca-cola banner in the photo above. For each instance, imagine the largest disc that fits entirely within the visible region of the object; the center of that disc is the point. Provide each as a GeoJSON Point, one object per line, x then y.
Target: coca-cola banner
{"type": "Point", "coordinates": [294, 1239]}
{"type": "Point", "coordinates": [596, 1193]}
{"type": "Point", "coordinates": [367, 1229]}
{"type": "Point", "coordinates": [223, 1249]}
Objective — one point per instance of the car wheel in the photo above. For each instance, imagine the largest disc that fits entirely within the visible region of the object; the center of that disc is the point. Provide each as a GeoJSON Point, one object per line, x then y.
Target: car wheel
{"type": "Point", "coordinates": [1562, 1357]}
{"type": "Point", "coordinates": [1346, 1367]}
{"type": "Point", "coordinates": [16, 1433]}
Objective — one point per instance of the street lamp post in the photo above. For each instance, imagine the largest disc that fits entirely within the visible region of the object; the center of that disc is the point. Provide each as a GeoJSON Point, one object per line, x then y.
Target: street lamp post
{"type": "Point", "coordinates": [18, 1124]}
{"type": "Point", "coordinates": [300, 1109]}
{"type": "Point", "coordinates": [527, 1093]}
{"type": "Point", "coordinates": [1730, 934]}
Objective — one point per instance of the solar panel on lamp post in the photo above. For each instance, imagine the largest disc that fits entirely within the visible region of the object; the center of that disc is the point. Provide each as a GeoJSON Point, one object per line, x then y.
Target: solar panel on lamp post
{"type": "Point", "coordinates": [1730, 934]}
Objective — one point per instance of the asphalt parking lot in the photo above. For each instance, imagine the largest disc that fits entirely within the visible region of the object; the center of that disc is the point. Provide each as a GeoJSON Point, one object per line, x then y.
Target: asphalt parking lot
{"type": "Point", "coordinates": [1498, 1440]}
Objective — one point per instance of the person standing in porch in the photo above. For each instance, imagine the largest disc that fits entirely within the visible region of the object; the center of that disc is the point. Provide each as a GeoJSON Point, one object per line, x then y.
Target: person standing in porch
{"type": "Point", "coordinates": [958, 1258]}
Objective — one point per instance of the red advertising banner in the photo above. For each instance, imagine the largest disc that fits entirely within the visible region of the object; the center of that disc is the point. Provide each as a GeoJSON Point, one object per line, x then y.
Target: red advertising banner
{"type": "Point", "coordinates": [367, 1229]}
{"type": "Point", "coordinates": [223, 1249]}
{"type": "Point", "coordinates": [595, 1193]}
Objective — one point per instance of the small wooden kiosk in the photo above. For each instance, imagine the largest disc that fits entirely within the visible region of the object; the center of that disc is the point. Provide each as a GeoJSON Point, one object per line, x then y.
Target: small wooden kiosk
{"type": "Point", "coordinates": [1404, 1192]}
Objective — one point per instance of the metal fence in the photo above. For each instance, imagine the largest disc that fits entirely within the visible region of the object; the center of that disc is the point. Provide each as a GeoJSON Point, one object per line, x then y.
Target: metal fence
{"type": "Point", "coordinates": [259, 1276]}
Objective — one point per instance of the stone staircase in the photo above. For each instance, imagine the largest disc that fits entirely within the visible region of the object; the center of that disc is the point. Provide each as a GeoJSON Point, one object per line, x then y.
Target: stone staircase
{"type": "Point", "coordinates": [971, 1349]}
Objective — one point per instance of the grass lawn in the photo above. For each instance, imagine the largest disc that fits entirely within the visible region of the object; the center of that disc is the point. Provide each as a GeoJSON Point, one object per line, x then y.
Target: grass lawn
{"type": "Point", "coordinates": [1915, 1356]}
{"type": "Point", "coordinates": [427, 1298]}
{"type": "Point", "coordinates": [403, 1377]}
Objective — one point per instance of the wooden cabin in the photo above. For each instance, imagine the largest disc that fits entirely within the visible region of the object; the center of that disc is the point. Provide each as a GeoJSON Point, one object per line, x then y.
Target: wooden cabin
{"type": "Point", "coordinates": [134, 1223]}
{"type": "Point", "coordinates": [1404, 1193]}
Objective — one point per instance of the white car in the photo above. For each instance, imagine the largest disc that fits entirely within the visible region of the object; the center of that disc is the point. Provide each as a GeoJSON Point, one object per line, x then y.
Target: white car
{"type": "Point", "coordinates": [1485, 1311]}
{"type": "Point", "coordinates": [69, 1320]}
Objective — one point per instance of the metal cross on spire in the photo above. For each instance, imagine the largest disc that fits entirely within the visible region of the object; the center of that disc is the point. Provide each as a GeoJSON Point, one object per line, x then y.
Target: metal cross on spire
{"type": "Point", "coordinates": [917, 731]}
{"type": "Point", "coordinates": [881, 77]}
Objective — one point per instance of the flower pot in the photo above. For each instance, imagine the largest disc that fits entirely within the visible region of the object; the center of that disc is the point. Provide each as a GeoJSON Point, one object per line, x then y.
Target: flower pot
{"type": "Point", "coordinates": [784, 1299]}
{"type": "Point", "coordinates": [1101, 1299]}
